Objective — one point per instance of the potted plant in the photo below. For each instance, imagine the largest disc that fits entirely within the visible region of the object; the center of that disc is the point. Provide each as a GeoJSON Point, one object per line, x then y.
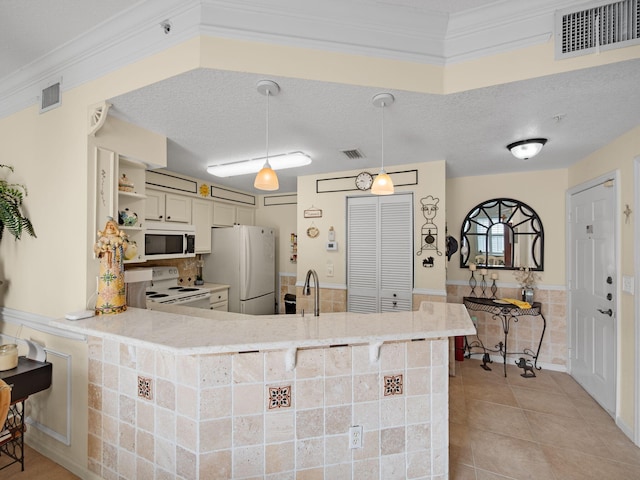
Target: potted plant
{"type": "Point", "coordinates": [527, 279]}
{"type": "Point", "coordinates": [11, 216]}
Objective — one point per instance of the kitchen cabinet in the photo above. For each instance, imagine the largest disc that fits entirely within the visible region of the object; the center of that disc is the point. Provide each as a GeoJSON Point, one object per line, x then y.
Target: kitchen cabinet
{"type": "Point", "coordinates": [227, 215]}
{"type": "Point", "coordinates": [219, 299]}
{"type": "Point", "coordinates": [167, 207]}
{"type": "Point", "coordinates": [202, 219]}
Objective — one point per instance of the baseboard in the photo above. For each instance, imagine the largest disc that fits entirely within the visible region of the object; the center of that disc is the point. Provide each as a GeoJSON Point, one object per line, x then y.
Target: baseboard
{"type": "Point", "coordinates": [626, 429]}
{"type": "Point", "coordinates": [498, 361]}
{"type": "Point", "coordinates": [79, 470]}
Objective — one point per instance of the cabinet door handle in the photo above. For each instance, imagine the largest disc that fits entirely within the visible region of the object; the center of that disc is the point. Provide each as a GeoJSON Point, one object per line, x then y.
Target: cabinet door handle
{"type": "Point", "coordinates": [395, 304]}
{"type": "Point", "coordinates": [168, 218]}
{"type": "Point", "coordinates": [160, 216]}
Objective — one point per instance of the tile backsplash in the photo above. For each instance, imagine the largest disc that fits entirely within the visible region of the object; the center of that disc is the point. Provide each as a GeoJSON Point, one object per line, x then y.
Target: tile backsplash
{"type": "Point", "coordinates": [187, 268]}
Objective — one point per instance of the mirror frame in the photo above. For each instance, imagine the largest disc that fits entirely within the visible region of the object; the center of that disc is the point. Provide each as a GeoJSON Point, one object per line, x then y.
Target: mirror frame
{"type": "Point", "coordinates": [531, 221]}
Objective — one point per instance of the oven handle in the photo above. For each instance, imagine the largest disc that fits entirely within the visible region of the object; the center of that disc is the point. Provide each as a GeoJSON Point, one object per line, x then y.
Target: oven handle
{"type": "Point", "coordinates": [183, 301]}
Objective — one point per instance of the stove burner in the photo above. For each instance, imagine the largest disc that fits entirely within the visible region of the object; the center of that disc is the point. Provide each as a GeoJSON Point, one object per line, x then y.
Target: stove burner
{"type": "Point", "coordinates": [188, 289]}
{"type": "Point", "coordinates": [159, 295]}
{"type": "Point", "coordinates": [174, 288]}
{"type": "Point", "coordinates": [149, 292]}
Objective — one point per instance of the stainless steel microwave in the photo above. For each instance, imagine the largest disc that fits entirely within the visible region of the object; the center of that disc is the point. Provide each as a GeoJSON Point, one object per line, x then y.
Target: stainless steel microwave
{"type": "Point", "coordinates": [168, 240]}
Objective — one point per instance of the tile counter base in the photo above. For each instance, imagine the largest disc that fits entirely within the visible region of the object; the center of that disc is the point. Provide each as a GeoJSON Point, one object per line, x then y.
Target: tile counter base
{"type": "Point", "coordinates": [153, 414]}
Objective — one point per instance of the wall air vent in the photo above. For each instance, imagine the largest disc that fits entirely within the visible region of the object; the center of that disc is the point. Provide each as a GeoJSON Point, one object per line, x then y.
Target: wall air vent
{"type": "Point", "coordinates": [353, 154]}
{"type": "Point", "coordinates": [50, 97]}
{"type": "Point", "coordinates": [604, 27]}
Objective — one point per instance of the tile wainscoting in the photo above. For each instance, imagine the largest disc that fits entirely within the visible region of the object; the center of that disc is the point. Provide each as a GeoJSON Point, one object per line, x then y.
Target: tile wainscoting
{"type": "Point", "coordinates": [153, 414]}
{"type": "Point", "coordinates": [526, 332]}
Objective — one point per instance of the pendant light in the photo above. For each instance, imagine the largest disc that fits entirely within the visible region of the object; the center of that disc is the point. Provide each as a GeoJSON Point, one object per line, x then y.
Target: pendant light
{"type": "Point", "coordinates": [266, 179]}
{"type": "Point", "coordinates": [382, 185]}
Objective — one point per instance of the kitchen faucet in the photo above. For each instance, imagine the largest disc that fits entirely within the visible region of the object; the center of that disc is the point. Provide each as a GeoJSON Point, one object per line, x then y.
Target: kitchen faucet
{"type": "Point", "coordinates": [307, 291]}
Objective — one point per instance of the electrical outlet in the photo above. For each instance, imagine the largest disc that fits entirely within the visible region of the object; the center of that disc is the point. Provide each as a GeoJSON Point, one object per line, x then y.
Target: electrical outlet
{"type": "Point", "coordinates": [627, 284]}
{"type": "Point", "coordinates": [355, 436]}
{"type": "Point", "coordinates": [329, 269]}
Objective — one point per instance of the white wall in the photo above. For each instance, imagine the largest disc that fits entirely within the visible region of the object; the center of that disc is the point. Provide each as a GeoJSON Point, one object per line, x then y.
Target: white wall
{"type": "Point", "coordinates": [312, 252]}
{"type": "Point", "coordinates": [544, 191]}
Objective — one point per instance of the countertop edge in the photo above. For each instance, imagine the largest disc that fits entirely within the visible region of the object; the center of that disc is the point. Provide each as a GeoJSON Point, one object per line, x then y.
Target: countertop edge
{"type": "Point", "coordinates": [155, 321]}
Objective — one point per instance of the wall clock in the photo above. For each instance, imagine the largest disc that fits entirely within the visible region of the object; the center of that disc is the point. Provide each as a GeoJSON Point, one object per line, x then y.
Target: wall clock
{"type": "Point", "coordinates": [364, 180]}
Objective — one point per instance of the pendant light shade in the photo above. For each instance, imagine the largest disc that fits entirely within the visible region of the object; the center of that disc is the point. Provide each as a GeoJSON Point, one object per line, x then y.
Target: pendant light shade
{"type": "Point", "coordinates": [266, 179]}
{"type": "Point", "coordinates": [382, 184]}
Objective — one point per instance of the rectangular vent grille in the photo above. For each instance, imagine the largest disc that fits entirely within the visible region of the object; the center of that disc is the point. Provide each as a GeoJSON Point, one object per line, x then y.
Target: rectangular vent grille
{"type": "Point", "coordinates": [609, 26]}
{"type": "Point", "coordinates": [50, 97]}
{"type": "Point", "coordinates": [353, 154]}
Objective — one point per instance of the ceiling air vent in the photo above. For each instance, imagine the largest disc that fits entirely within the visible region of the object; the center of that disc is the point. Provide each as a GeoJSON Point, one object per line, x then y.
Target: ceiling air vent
{"type": "Point", "coordinates": [353, 154]}
{"type": "Point", "coordinates": [603, 27]}
{"type": "Point", "coordinates": [50, 97]}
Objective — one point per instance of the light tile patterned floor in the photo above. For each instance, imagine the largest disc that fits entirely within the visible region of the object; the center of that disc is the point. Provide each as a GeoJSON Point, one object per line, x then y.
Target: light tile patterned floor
{"type": "Point", "coordinates": [542, 428]}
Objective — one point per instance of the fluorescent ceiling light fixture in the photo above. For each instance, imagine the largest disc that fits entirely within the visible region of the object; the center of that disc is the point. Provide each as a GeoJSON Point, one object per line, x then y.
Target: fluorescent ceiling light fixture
{"type": "Point", "coordinates": [526, 149]}
{"type": "Point", "coordinates": [243, 167]}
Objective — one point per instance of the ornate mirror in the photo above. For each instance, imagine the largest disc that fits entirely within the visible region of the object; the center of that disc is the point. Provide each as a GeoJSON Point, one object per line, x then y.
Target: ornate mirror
{"type": "Point", "coordinates": [502, 233]}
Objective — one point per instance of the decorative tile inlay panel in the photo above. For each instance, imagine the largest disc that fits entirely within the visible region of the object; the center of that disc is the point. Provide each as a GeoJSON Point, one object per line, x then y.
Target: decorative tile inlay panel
{"type": "Point", "coordinates": [279, 397]}
{"type": "Point", "coordinates": [392, 385]}
{"type": "Point", "coordinates": [145, 388]}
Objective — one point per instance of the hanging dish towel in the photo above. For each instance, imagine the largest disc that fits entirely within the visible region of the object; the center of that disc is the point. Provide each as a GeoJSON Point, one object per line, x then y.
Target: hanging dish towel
{"type": "Point", "coordinates": [5, 400]}
{"type": "Point", "coordinates": [518, 303]}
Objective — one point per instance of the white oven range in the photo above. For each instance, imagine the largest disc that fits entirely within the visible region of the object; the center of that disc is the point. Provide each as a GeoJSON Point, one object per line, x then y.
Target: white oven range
{"type": "Point", "coordinates": [165, 289]}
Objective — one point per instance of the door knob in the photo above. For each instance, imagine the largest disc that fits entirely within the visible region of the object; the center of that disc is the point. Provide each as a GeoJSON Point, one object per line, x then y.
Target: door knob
{"type": "Point", "coordinates": [606, 312]}
{"type": "Point", "coordinates": [609, 296]}
{"type": "Point", "coordinates": [609, 280]}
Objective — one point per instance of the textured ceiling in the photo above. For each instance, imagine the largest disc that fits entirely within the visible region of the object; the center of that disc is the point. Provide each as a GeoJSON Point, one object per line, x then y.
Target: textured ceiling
{"type": "Point", "coordinates": [211, 116]}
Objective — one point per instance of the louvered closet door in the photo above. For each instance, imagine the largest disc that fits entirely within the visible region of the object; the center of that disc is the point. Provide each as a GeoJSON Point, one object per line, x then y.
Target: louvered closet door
{"type": "Point", "coordinates": [396, 253]}
{"type": "Point", "coordinates": [362, 247]}
{"type": "Point", "coordinates": [379, 253]}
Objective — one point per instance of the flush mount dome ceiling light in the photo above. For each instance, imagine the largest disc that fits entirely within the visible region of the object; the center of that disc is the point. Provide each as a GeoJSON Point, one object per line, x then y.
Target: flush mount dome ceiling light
{"type": "Point", "coordinates": [526, 149]}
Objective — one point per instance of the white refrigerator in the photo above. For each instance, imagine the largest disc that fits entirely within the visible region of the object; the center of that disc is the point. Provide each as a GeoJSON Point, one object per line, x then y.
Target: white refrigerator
{"type": "Point", "coordinates": [243, 257]}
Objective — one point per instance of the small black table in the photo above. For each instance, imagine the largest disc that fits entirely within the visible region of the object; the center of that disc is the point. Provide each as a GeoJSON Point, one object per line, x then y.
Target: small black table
{"type": "Point", "coordinates": [29, 377]}
{"type": "Point", "coordinates": [505, 312]}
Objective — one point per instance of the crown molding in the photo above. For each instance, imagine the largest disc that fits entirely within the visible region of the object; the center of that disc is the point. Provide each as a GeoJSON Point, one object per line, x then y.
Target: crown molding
{"type": "Point", "coordinates": [131, 36]}
{"type": "Point", "coordinates": [346, 26]}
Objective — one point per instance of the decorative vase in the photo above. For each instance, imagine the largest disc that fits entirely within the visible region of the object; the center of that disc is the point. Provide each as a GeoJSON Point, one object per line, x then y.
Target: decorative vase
{"type": "Point", "coordinates": [131, 251]}
{"type": "Point", "coordinates": [127, 218]}
{"type": "Point", "coordinates": [124, 184]}
{"type": "Point", "coordinates": [527, 294]}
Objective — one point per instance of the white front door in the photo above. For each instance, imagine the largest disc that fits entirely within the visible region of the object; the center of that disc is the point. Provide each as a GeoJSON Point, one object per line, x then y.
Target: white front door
{"type": "Point", "coordinates": [593, 292]}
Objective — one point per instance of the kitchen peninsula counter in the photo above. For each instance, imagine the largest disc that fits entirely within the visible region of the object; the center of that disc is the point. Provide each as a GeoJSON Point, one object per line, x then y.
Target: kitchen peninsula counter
{"type": "Point", "coordinates": [226, 395]}
{"type": "Point", "coordinates": [187, 331]}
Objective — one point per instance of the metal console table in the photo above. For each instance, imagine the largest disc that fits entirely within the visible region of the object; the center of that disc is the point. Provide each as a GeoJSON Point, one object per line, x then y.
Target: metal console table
{"type": "Point", "coordinates": [505, 312]}
{"type": "Point", "coordinates": [29, 377]}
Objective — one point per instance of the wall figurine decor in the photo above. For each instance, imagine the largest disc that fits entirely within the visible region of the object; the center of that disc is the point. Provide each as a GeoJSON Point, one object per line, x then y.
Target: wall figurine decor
{"type": "Point", "coordinates": [429, 232]}
{"type": "Point", "coordinates": [427, 262]}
